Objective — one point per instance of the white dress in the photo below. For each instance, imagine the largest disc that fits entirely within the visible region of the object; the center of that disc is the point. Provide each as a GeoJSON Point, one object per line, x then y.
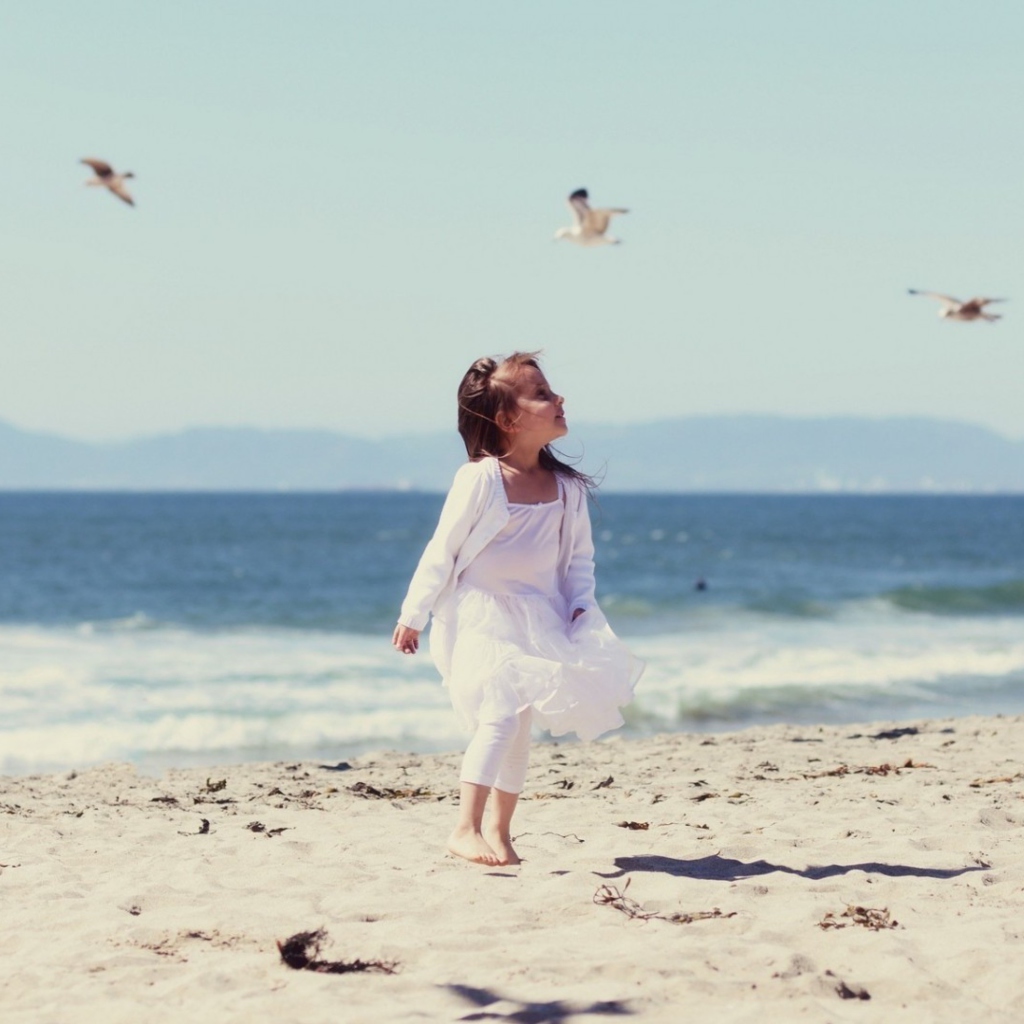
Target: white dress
{"type": "Point", "coordinates": [508, 641]}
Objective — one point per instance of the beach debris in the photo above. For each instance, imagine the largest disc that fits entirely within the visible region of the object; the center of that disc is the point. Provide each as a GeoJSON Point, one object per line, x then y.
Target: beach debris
{"type": "Point", "coordinates": [258, 826]}
{"type": "Point", "coordinates": [610, 896]}
{"type": "Point", "coordinates": [605, 783]}
{"type": "Point", "coordinates": [563, 783]}
{"type": "Point", "coordinates": [956, 309]}
{"type": "Point", "coordinates": [341, 766]}
{"type": "Point", "coordinates": [978, 783]}
{"type": "Point", "coordinates": [875, 919]}
{"type": "Point", "coordinates": [163, 800]}
{"type": "Point", "coordinates": [204, 828]}
{"type": "Point", "coordinates": [109, 179]}
{"type": "Point", "coordinates": [701, 797]}
{"type": "Point", "coordinates": [368, 792]}
{"type": "Point", "coordinates": [302, 951]}
{"type": "Point", "coordinates": [845, 991]}
{"type": "Point", "coordinates": [589, 226]}
{"type": "Point", "coordinates": [634, 825]}
{"type": "Point", "coordinates": [561, 835]}
{"type": "Point", "coordinates": [895, 734]}
{"type": "Point", "coordinates": [215, 787]}
{"type": "Point", "coordinates": [877, 769]}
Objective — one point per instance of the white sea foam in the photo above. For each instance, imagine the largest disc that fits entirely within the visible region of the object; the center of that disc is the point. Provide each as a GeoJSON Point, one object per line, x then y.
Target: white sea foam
{"type": "Point", "coordinates": [73, 697]}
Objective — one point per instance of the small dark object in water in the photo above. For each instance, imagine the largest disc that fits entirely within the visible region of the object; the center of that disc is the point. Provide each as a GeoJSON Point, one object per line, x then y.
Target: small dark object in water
{"type": "Point", "coordinates": [701, 584]}
{"type": "Point", "coordinates": [295, 952]}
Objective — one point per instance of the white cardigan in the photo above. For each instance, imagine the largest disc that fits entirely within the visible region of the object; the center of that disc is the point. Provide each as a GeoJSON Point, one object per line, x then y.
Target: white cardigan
{"type": "Point", "coordinates": [474, 512]}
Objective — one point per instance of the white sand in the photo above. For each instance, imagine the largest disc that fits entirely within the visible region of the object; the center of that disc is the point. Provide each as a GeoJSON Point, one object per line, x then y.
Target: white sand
{"type": "Point", "coordinates": [115, 907]}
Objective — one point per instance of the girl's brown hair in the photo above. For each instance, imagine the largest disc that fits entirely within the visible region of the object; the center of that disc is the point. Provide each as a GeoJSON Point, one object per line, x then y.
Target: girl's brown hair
{"type": "Point", "coordinates": [488, 390]}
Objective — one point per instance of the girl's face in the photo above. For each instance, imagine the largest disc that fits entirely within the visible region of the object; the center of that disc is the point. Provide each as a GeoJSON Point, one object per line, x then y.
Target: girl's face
{"type": "Point", "coordinates": [540, 416]}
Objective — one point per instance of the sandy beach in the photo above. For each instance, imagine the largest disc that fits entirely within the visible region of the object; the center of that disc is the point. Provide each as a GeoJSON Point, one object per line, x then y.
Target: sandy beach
{"type": "Point", "coordinates": [783, 873]}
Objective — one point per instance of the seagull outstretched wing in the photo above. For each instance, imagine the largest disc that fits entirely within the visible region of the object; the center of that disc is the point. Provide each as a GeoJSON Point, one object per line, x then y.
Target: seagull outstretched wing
{"type": "Point", "coordinates": [101, 167]}
{"type": "Point", "coordinates": [946, 300]}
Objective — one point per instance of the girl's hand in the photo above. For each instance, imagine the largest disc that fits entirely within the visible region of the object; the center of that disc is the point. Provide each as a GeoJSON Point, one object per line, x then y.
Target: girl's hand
{"type": "Point", "coordinates": [405, 639]}
{"type": "Point", "coordinates": [577, 613]}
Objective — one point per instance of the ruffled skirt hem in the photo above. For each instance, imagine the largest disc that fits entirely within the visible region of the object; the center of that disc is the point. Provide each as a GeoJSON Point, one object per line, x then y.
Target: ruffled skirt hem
{"type": "Point", "coordinates": [499, 654]}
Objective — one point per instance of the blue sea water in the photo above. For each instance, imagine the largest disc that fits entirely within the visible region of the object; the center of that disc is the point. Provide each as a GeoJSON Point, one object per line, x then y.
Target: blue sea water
{"type": "Point", "coordinates": [169, 629]}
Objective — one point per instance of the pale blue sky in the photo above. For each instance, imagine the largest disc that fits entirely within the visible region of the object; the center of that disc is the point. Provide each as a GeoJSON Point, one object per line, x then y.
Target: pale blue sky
{"type": "Point", "coordinates": [340, 205]}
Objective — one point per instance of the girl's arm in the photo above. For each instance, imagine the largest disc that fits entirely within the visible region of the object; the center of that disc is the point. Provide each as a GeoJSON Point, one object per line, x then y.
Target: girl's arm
{"type": "Point", "coordinates": [437, 562]}
{"type": "Point", "coordinates": [579, 583]}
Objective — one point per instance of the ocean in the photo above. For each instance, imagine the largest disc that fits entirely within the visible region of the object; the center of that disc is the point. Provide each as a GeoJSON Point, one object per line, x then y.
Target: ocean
{"type": "Point", "coordinates": [182, 629]}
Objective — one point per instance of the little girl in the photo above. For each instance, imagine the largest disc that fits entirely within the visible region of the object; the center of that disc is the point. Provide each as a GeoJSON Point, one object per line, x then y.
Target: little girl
{"type": "Point", "coordinates": [509, 578]}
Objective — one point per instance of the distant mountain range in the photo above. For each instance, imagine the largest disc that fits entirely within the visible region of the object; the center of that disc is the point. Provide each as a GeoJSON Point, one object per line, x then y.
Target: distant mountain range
{"type": "Point", "coordinates": [706, 453]}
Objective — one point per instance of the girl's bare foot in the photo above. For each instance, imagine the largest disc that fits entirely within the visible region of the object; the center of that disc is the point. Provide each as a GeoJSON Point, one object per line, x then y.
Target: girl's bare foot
{"type": "Point", "coordinates": [502, 846]}
{"type": "Point", "coordinates": [472, 846]}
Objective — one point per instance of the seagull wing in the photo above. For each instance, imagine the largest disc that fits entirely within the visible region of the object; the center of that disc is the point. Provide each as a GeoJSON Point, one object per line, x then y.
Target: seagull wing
{"type": "Point", "coordinates": [122, 193]}
{"type": "Point", "coordinates": [102, 168]}
{"type": "Point", "coordinates": [579, 206]}
{"type": "Point", "coordinates": [598, 220]}
{"type": "Point", "coordinates": [946, 300]}
{"type": "Point", "coordinates": [979, 302]}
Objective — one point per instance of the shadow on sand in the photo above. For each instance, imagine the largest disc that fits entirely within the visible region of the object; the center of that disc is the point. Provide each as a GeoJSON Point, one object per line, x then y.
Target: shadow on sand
{"type": "Point", "coordinates": [725, 869]}
{"type": "Point", "coordinates": [531, 1013]}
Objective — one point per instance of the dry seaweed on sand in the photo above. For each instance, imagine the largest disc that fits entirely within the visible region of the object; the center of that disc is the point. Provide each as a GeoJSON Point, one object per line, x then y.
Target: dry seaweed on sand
{"type": "Point", "coordinates": [258, 826]}
{"type": "Point", "coordinates": [875, 919]}
{"type": "Point", "coordinates": [204, 829]}
{"type": "Point", "coordinates": [368, 792]}
{"type": "Point", "coordinates": [634, 825]}
{"type": "Point", "coordinates": [978, 783]}
{"type": "Point", "coordinates": [302, 953]}
{"type": "Point", "coordinates": [875, 769]}
{"type": "Point", "coordinates": [846, 991]}
{"type": "Point", "coordinates": [610, 896]}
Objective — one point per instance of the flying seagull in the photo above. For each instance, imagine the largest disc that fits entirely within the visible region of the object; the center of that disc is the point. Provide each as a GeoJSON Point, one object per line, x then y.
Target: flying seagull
{"type": "Point", "coordinates": [954, 309]}
{"type": "Point", "coordinates": [589, 226]}
{"type": "Point", "coordinates": [108, 178]}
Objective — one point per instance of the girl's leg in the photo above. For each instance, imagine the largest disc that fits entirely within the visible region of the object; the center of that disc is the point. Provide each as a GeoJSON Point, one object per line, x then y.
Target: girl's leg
{"type": "Point", "coordinates": [467, 839]}
{"type": "Point", "coordinates": [480, 767]}
{"type": "Point", "coordinates": [507, 787]}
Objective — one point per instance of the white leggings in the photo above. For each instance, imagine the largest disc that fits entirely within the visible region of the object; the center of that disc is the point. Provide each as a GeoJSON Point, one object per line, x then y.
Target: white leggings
{"type": "Point", "coordinates": [498, 754]}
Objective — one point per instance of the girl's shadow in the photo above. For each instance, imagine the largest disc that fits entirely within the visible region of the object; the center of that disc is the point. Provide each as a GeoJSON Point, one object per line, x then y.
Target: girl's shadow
{"type": "Point", "coordinates": [725, 869]}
